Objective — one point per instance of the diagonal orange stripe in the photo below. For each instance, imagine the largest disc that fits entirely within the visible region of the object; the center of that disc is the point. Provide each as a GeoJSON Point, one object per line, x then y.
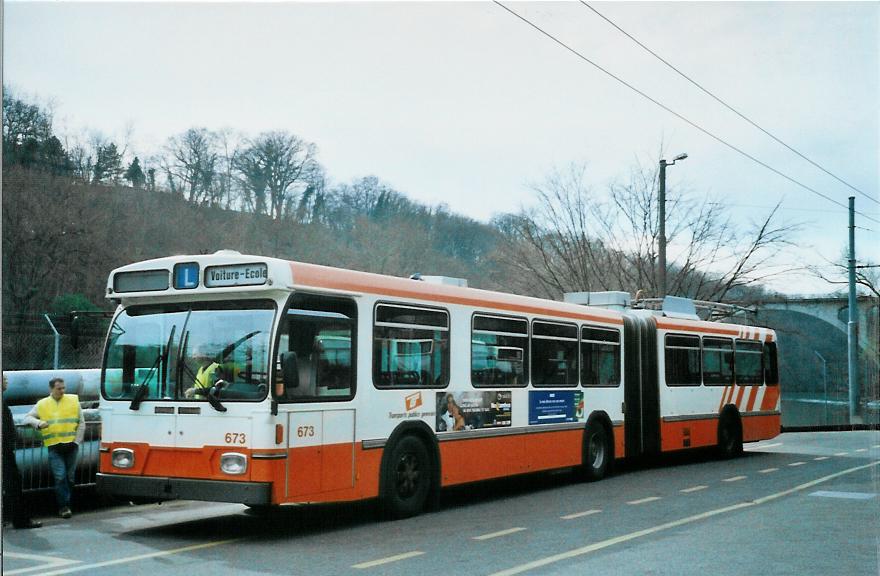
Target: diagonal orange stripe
{"type": "Point", "coordinates": [753, 395]}
{"type": "Point", "coordinates": [739, 395]}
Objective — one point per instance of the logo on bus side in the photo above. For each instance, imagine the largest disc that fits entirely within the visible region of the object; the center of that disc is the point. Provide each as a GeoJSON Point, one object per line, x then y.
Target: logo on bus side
{"type": "Point", "coordinates": [413, 401]}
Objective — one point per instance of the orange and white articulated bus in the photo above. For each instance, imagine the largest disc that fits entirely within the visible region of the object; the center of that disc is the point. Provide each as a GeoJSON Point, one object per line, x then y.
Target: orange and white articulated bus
{"type": "Point", "coordinates": [260, 381]}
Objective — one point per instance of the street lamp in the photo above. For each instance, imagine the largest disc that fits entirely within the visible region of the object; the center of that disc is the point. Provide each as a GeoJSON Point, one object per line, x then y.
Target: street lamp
{"type": "Point", "coordinates": [662, 207]}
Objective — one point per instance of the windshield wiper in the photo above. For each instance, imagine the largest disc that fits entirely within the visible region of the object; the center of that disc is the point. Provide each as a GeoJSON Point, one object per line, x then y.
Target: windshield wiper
{"type": "Point", "coordinates": [164, 391]}
{"type": "Point", "coordinates": [143, 388]}
{"type": "Point", "coordinates": [212, 394]}
{"type": "Point", "coordinates": [230, 347]}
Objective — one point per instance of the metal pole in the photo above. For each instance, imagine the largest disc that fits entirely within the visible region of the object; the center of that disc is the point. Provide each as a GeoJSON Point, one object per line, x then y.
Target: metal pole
{"type": "Point", "coordinates": [661, 201]}
{"type": "Point", "coordinates": [852, 341]}
{"type": "Point", "coordinates": [824, 383]}
{"type": "Point", "coordinates": [57, 341]}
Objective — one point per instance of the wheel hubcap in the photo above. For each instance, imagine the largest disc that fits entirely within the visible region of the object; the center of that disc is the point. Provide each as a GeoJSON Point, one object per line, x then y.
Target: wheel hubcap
{"type": "Point", "coordinates": [597, 449]}
{"type": "Point", "coordinates": [408, 475]}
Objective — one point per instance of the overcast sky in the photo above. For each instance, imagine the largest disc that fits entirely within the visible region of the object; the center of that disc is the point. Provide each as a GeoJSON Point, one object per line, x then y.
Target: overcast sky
{"type": "Point", "coordinates": [461, 103]}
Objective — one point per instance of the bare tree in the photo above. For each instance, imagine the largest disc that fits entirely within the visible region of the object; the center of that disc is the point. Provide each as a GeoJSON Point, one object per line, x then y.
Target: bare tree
{"type": "Point", "coordinates": [276, 168]}
{"type": "Point", "coordinates": [574, 240]}
{"type": "Point", "coordinates": [837, 273]}
{"type": "Point", "coordinates": [190, 165]}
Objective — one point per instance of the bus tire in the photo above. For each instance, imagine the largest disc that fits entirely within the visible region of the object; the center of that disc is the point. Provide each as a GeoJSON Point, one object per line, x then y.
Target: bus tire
{"type": "Point", "coordinates": [262, 509]}
{"type": "Point", "coordinates": [406, 478]}
{"type": "Point", "coordinates": [730, 439]}
{"type": "Point", "coordinates": [597, 452]}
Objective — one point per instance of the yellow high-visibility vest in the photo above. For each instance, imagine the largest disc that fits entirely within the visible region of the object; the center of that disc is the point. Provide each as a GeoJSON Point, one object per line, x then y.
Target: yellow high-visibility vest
{"type": "Point", "coordinates": [205, 377]}
{"type": "Point", "coordinates": [62, 416]}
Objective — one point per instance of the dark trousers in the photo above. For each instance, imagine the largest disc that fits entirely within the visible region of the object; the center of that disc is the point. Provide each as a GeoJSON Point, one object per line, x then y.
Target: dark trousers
{"type": "Point", "coordinates": [62, 462]}
{"type": "Point", "coordinates": [14, 506]}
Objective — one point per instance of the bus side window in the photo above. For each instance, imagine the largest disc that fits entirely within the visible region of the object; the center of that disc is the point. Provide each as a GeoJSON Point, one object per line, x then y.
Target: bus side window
{"type": "Point", "coordinates": [554, 354]}
{"type": "Point", "coordinates": [410, 347]}
{"type": "Point", "coordinates": [683, 360]}
{"type": "Point", "coordinates": [747, 362]}
{"type": "Point", "coordinates": [717, 361]}
{"type": "Point", "coordinates": [315, 356]}
{"type": "Point", "coordinates": [499, 351]}
{"type": "Point", "coordinates": [600, 357]}
{"type": "Point", "coordinates": [771, 368]}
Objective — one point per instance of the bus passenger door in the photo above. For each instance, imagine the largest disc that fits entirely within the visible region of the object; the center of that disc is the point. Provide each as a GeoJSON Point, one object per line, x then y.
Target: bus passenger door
{"type": "Point", "coordinates": [321, 447]}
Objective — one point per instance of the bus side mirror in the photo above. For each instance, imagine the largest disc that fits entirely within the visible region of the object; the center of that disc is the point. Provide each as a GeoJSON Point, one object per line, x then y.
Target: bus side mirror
{"type": "Point", "coordinates": [290, 369]}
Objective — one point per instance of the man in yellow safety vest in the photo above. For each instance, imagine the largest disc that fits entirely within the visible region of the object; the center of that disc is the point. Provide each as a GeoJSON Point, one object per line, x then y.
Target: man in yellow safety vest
{"type": "Point", "coordinates": [60, 419]}
{"type": "Point", "coordinates": [210, 371]}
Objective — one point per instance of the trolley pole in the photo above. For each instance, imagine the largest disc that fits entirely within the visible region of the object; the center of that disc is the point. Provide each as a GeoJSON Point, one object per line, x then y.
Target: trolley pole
{"type": "Point", "coordinates": [661, 241]}
{"type": "Point", "coordinates": [661, 211]}
{"type": "Point", "coordinates": [852, 341]}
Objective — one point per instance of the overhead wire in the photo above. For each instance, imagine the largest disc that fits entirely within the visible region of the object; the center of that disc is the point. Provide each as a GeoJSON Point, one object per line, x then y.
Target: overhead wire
{"type": "Point", "coordinates": [729, 107]}
{"type": "Point", "coordinates": [676, 114]}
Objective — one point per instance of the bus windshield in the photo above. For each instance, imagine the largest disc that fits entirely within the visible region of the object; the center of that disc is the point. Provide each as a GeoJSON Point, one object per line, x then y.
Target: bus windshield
{"type": "Point", "coordinates": [181, 351]}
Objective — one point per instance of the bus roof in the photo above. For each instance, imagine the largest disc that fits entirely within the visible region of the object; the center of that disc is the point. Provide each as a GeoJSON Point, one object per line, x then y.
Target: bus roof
{"type": "Point", "coordinates": [228, 271]}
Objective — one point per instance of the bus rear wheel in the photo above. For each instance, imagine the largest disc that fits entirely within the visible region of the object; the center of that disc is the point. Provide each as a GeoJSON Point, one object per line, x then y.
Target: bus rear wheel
{"type": "Point", "coordinates": [597, 452]}
{"type": "Point", "coordinates": [406, 478]}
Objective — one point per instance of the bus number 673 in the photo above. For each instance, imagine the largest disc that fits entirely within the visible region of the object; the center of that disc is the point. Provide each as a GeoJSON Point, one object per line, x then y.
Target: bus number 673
{"type": "Point", "coordinates": [235, 438]}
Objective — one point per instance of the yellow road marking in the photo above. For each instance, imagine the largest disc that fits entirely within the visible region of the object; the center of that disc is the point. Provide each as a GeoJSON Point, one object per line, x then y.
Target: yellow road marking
{"type": "Point", "coordinates": [643, 500]}
{"type": "Point", "coordinates": [499, 533]}
{"type": "Point", "coordinates": [693, 489]}
{"type": "Point", "coordinates": [47, 562]}
{"type": "Point", "coordinates": [579, 514]}
{"type": "Point", "coordinates": [734, 478]}
{"type": "Point", "coordinates": [541, 562]}
{"type": "Point", "coordinates": [128, 559]}
{"type": "Point", "coordinates": [388, 560]}
{"type": "Point", "coordinates": [768, 470]}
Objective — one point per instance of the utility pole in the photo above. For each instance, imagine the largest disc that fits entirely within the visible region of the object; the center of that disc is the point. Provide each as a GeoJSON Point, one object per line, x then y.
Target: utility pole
{"type": "Point", "coordinates": [661, 241]}
{"type": "Point", "coordinates": [852, 340]}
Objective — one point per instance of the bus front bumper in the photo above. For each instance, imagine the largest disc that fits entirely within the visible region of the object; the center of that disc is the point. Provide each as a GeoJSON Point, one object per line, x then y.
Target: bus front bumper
{"type": "Point", "coordinates": [159, 488]}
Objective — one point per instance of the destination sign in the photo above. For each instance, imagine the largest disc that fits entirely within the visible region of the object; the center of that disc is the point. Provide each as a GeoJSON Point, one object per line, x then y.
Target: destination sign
{"type": "Point", "coordinates": [141, 281]}
{"type": "Point", "coordinates": [236, 275]}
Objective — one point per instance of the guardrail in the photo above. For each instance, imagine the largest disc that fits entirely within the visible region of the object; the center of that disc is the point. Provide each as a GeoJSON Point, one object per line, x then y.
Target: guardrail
{"type": "Point", "coordinates": [33, 458]}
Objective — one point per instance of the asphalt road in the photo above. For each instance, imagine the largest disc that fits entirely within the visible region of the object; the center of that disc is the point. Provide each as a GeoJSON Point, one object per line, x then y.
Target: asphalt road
{"type": "Point", "coordinates": [803, 503]}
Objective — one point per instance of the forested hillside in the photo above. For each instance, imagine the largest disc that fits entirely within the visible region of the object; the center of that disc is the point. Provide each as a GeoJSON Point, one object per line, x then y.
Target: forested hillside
{"type": "Point", "coordinates": [74, 208]}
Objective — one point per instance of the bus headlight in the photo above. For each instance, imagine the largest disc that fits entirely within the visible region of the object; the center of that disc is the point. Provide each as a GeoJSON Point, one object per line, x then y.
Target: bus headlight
{"type": "Point", "coordinates": [122, 458]}
{"type": "Point", "coordinates": [233, 463]}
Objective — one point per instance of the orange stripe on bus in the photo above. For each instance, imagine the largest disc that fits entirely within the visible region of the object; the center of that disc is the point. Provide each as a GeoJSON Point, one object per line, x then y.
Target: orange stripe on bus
{"type": "Point", "coordinates": [316, 276]}
{"type": "Point", "coordinates": [761, 427]}
{"type": "Point", "coordinates": [739, 395]}
{"type": "Point", "coordinates": [679, 435]}
{"type": "Point", "coordinates": [771, 398]}
{"type": "Point", "coordinates": [753, 395]}
{"type": "Point", "coordinates": [723, 395]}
{"type": "Point", "coordinates": [730, 394]}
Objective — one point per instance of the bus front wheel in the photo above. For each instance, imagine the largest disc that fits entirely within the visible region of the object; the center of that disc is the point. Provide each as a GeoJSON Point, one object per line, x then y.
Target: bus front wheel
{"type": "Point", "coordinates": [406, 478]}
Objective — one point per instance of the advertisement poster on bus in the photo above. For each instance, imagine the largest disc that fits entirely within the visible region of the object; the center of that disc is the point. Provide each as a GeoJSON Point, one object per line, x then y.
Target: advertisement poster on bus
{"type": "Point", "coordinates": [546, 407]}
{"type": "Point", "coordinates": [472, 410]}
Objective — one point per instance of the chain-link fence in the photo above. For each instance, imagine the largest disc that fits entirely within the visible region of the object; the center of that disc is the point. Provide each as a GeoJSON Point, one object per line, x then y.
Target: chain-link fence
{"type": "Point", "coordinates": [54, 341]}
